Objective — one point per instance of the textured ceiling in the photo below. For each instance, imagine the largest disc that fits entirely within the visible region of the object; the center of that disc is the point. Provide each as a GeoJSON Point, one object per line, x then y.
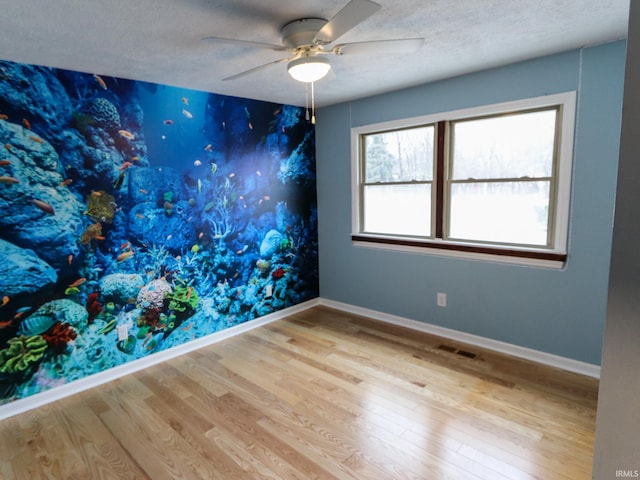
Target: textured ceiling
{"type": "Point", "coordinates": [160, 40]}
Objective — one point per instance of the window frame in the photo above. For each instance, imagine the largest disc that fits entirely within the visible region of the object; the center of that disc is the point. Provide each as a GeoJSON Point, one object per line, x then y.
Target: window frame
{"type": "Point", "coordinates": [554, 255]}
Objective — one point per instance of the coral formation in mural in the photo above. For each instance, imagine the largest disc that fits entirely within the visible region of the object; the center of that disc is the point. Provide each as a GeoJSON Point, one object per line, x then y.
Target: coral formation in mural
{"type": "Point", "coordinates": [138, 217]}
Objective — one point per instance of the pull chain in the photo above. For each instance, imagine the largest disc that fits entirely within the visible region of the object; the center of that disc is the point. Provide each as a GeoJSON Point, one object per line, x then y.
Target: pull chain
{"type": "Point", "coordinates": [313, 104]}
{"type": "Point", "coordinates": [306, 94]}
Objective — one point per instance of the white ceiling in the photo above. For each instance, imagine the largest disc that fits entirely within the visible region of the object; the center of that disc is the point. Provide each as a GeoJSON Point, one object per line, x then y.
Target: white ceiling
{"type": "Point", "coordinates": [159, 40]}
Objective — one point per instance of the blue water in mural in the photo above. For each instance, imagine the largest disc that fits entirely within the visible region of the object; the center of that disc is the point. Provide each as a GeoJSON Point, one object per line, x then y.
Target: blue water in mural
{"type": "Point", "coordinates": [138, 217]}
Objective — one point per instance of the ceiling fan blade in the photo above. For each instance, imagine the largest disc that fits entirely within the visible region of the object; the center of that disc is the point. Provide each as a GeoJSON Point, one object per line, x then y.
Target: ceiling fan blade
{"type": "Point", "coordinates": [403, 45]}
{"type": "Point", "coordinates": [352, 14]}
{"type": "Point", "coordinates": [255, 69]}
{"type": "Point", "coordinates": [246, 43]}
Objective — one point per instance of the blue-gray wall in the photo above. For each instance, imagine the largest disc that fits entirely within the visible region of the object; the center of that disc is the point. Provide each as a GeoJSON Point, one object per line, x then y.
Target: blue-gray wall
{"type": "Point", "coordinates": [558, 311]}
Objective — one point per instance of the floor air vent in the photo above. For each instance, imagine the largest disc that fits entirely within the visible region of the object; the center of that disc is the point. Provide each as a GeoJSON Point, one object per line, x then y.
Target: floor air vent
{"type": "Point", "coordinates": [462, 353]}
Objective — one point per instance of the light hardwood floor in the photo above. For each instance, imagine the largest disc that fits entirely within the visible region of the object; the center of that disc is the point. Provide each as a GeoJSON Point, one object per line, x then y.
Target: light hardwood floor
{"type": "Point", "coordinates": [319, 395]}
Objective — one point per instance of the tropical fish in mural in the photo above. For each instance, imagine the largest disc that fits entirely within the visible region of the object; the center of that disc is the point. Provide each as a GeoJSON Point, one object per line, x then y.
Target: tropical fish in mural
{"type": "Point", "coordinates": [185, 100]}
{"type": "Point", "coordinates": [127, 134]}
{"type": "Point", "coordinates": [26, 123]}
{"type": "Point", "coordinates": [125, 165]}
{"type": "Point", "coordinates": [42, 205]}
{"type": "Point", "coordinates": [36, 139]}
{"type": "Point", "coordinates": [6, 324]}
{"type": "Point", "coordinates": [124, 256]}
{"type": "Point", "coordinates": [168, 122]}
{"type": "Point", "coordinates": [187, 113]}
{"type": "Point", "coordinates": [5, 300]}
{"type": "Point", "coordinates": [78, 282]}
{"type": "Point", "coordinates": [208, 148]}
{"type": "Point", "coordinates": [5, 162]}
{"type": "Point", "coordinates": [8, 180]}
{"type": "Point", "coordinates": [197, 163]}
{"type": "Point", "coordinates": [100, 81]}
{"type": "Point", "coordinates": [117, 183]}
{"type": "Point", "coordinates": [66, 182]}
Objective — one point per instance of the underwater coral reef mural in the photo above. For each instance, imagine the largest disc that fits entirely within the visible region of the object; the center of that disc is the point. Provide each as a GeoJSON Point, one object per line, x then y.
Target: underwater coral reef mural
{"type": "Point", "coordinates": [137, 217]}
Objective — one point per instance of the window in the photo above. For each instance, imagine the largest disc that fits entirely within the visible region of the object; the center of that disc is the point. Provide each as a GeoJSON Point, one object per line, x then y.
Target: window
{"type": "Point", "coordinates": [492, 180]}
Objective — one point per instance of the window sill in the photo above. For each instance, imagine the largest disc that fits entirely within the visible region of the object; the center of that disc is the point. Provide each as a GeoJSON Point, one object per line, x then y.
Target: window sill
{"type": "Point", "coordinates": [538, 258]}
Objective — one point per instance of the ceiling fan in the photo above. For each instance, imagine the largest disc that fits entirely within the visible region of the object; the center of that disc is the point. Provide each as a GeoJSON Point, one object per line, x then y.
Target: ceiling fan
{"type": "Point", "coordinates": [308, 41]}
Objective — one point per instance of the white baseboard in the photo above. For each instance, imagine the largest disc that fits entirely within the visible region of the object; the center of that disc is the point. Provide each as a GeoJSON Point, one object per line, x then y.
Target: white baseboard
{"type": "Point", "coordinates": [57, 393]}
{"type": "Point", "coordinates": [544, 358]}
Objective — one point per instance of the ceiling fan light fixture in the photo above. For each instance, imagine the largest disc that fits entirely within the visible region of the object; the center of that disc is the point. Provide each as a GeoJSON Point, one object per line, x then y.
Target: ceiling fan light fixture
{"type": "Point", "coordinates": [308, 69]}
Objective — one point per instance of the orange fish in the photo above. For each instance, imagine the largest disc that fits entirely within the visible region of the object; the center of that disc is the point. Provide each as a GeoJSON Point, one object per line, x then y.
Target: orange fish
{"type": "Point", "coordinates": [66, 182]}
{"type": "Point", "coordinates": [4, 116]}
{"type": "Point", "coordinates": [6, 324]}
{"type": "Point", "coordinates": [78, 282]}
{"type": "Point", "coordinates": [26, 123]}
{"type": "Point", "coordinates": [140, 216]}
{"type": "Point", "coordinates": [143, 191]}
{"type": "Point", "coordinates": [96, 194]}
{"type": "Point", "coordinates": [100, 81]}
{"type": "Point", "coordinates": [70, 259]}
{"type": "Point", "coordinates": [5, 162]}
{"type": "Point", "coordinates": [188, 327]}
{"type": "Point", "coordinates": [124, 255]}
{"type": "Point", "coordinates": [125, 165]}
{"type": "Point", "coordinates": [5, 300]}
{"type": "Point", "coordinates": [126, 134]}
{"type": "Point", "coordinates": [44, 206]}
{"type": "Point", "coordinates": [125, 245]}
{"type": "Point", "coordinates": [36, 139]}
{"type": "Point", "coordinates": [99, 237]}
{"type": "Point", "coordinates": [8, 146]}
{"type": "Point", "coordinates": [8, 180]}
{"type": "Point", "coordinates": [135, 159]}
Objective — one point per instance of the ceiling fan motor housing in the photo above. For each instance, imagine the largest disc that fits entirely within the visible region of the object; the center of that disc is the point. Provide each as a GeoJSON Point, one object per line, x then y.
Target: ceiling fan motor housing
{"type": "Point", "coordinates": [301, 32]}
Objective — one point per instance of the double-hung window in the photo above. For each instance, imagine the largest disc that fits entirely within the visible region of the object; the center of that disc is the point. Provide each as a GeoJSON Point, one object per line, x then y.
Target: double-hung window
{"type": "Point", "coordinates": [493, 180]}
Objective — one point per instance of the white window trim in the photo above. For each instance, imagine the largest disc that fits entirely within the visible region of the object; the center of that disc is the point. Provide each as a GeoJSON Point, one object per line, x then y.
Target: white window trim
{"type": "Point", "coordinates": [566, 100]}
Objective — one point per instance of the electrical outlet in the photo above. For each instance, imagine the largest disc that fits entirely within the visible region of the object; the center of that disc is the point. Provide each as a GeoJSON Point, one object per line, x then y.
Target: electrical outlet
{"type": "Point", "coordinates": [441, 299]}
{"type": "Point", "coordinates": [268, 291]}
{"type": "Point", "coordinates": [123, 332]}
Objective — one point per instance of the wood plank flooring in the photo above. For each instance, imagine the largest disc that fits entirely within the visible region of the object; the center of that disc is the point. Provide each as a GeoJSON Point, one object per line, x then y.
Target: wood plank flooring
{"type": "Point", "coordinates": [319, 395]}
